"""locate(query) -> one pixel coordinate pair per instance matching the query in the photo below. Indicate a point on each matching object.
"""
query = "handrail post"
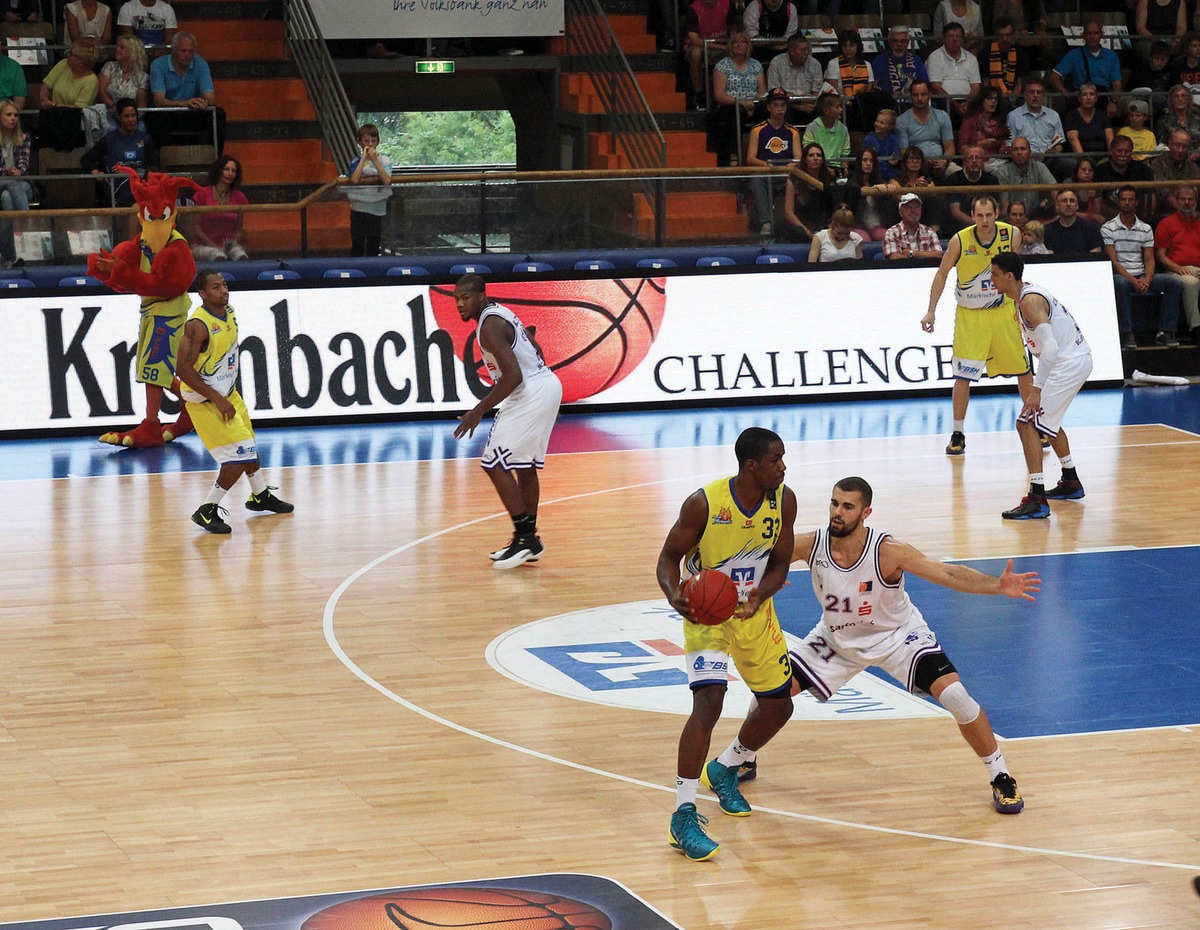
(483, 216)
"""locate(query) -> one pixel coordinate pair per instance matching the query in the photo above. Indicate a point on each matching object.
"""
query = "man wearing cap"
(772, 142)
(896, 67)
(909, 238)
(798, 73)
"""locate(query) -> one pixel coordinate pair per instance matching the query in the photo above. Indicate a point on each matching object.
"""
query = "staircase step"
(191, 10)
(694, 205)
(212, 32)
(226, 49)
(279, 233)
(272, 130)
(268, 99)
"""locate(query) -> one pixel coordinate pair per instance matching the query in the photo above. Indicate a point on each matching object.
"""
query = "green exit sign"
(435, 67)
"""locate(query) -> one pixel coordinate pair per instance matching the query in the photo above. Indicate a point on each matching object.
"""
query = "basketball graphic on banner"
(594, 333)
(462, 909)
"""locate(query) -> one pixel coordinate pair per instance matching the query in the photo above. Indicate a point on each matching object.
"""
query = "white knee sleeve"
(956, 700)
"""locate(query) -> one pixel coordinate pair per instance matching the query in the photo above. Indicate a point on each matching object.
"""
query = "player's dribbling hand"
(1021, 585)
(681, 605)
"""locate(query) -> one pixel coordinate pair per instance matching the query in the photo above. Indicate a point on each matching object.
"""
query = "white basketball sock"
(685, 790)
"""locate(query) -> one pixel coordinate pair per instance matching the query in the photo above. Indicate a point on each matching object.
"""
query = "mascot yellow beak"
(155, 233)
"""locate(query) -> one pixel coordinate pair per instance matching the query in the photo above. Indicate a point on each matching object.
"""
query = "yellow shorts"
(158, 347)
(988, 342)
(228, 441)
(755, 645)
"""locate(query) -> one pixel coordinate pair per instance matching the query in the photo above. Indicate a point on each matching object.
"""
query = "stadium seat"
(531, 267)
(473, 268)
(407, 271)
(714, 261)
(283, 274)
(872, 249)
(773, 259)
(656, 263)
(879, 256)
(343, 273)
(84, 281)
(226, 275)
(16, 282)
(594, 264)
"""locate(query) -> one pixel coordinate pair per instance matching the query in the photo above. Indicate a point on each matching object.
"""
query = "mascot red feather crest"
(158, 266)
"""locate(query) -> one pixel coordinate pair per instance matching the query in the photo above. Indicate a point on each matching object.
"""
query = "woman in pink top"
(219, 235)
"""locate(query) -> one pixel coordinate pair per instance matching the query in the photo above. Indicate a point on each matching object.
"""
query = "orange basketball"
(594, 333)
(713, 596)
(461, 908)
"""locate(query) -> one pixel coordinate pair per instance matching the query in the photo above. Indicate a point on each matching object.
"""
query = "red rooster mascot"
(158, 266)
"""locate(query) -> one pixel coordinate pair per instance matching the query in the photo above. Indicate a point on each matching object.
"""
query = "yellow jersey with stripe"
(973, 287)
(735, 541)
(217, 362)
(158, 306)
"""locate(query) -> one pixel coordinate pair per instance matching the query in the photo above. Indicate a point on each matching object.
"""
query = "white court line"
(336, 648)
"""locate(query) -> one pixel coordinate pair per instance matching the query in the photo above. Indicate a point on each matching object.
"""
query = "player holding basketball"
(986, 337)
(742, 527)
(868, 619)
(208, 370)
(520, 433)
(1064, 363)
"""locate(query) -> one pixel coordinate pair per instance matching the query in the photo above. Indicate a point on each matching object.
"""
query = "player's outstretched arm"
(895, 555)
(802, 546)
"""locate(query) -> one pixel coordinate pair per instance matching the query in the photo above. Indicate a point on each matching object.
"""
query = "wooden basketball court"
(307, 706)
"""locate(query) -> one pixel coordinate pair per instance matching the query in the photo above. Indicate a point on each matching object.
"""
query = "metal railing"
(335, 115)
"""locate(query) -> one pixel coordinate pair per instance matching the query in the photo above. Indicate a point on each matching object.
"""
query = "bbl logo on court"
(631, 656)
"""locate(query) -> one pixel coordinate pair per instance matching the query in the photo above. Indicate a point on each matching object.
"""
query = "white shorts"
(829, 667)
(1065, 381)
(521, 429)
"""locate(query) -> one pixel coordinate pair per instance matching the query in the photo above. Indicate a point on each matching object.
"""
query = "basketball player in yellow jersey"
(208, 369)
(741, 526)
(986, 335)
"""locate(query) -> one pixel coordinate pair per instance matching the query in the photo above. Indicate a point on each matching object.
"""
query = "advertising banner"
(438, 19)
(342, 350)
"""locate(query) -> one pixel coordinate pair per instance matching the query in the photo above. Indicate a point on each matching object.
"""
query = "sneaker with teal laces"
(688, 836)
(723, 780)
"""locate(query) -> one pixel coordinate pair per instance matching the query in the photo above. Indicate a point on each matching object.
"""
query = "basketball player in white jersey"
(520, 434)
(868, 619)
(1064, 363)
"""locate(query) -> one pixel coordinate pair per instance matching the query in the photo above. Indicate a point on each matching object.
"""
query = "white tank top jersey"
(859, 608)
(531, 363)
(1067, 334)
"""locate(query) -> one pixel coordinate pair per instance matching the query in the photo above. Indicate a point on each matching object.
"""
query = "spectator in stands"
(1038, 125)
(15, 191)
(885, 144)
(982, 125)
(87, 19)
(910, 238)
(1089, 197)
(1153, 20)
(370, 187)
(1027, 16)
(21, 11)
(1033, 238)
(797, 72)
(828, 131)
(839, 242)
(1154, 78)
(1181, 114)
(848, 73)
(805, 208)
(954, 71)
(183, 82)
(896, 68)
(770, 19)
(868, 195)
(152, 21)
(972, 175)
(1137, 113)
(1003, 63)
(1087, 128)
(1089, 63)
(1121, 167)
(1187, 65)
(1174, 166)
(13, 86)
(963, 12)
(1129, 243)
(126, 145)
(1017, 216)
(738, 81)
(1067, 234)
(71, 82)
(702, 21)
(923, 126)
(220, 235)
(1023, 169)
(772, 142)
(1177, 251)
(127, 75)
(917, 171)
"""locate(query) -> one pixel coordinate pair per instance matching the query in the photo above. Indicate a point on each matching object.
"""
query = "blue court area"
(1110, 643)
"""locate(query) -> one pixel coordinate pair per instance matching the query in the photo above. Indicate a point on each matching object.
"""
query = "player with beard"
(868, 619)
